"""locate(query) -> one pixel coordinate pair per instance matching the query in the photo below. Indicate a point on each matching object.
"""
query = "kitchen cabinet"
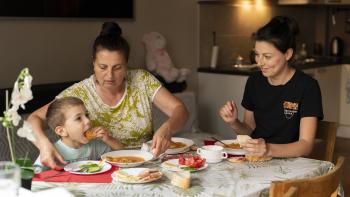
(213, 91)
(333, 83)
(329, 80)
(345, 95)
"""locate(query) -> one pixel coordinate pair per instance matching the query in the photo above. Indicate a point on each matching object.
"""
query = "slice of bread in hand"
(181, 179)
(90, 134)
(242, 139)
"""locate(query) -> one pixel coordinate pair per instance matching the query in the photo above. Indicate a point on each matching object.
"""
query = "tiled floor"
(342, 147)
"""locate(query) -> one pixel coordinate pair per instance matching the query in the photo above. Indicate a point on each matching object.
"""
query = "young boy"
(68, 117)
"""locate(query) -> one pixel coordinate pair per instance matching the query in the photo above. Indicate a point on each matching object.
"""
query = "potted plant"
(21, 94)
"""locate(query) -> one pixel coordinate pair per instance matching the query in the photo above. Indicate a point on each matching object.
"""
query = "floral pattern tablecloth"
(222, 179)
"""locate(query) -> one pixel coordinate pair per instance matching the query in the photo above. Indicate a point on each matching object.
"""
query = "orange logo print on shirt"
(290, 109)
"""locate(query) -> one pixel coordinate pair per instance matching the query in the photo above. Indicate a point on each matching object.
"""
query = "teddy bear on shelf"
(159, 61)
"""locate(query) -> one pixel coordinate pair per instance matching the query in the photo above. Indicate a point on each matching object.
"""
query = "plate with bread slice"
(249, 158)
(136, 175)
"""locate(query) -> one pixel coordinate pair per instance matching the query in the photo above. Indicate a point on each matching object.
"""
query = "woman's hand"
(161, 140)
(256, 147)
(229, 112)
(49, 156)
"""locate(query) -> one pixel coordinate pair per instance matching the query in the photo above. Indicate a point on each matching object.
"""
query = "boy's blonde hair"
(55, 115)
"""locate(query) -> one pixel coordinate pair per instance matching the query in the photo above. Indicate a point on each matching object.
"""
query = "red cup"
(209, 142)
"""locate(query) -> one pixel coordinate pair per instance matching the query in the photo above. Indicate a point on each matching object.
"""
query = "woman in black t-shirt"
(282, 104)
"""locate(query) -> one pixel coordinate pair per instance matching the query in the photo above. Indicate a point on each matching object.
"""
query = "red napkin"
(212, 142)
(63, 176)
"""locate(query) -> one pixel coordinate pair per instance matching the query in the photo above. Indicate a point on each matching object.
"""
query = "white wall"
(58, 50)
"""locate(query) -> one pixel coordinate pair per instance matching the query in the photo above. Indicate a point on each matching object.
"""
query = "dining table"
(218, 179)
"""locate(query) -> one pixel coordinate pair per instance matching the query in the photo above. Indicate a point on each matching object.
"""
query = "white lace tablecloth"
(222, 179)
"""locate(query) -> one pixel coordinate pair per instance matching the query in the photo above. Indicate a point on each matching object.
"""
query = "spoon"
(214, 138)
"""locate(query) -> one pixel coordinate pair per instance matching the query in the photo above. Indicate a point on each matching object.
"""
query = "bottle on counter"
(303, 52)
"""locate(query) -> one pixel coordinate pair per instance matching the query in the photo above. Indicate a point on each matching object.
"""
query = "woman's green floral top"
(130, 120)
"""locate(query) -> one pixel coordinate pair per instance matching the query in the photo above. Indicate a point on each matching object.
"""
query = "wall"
(58, 50)
(234, 26)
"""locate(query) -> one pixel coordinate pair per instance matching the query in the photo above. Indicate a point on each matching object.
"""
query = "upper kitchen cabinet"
(235, 21)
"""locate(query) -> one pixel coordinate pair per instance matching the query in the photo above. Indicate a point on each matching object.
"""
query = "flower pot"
(26, 183)
(27, 172)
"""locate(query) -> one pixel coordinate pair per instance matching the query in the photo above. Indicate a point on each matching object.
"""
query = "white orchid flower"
(26, 131)
(22, 92)
(13, 115)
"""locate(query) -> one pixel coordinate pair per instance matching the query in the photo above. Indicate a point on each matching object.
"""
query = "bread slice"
(242, 139)
(90, 134)
(181, 179)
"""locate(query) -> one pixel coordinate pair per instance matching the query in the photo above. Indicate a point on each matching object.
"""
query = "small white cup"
(212, 153)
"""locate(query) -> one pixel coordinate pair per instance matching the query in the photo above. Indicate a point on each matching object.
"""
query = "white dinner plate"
(173, 165)
(231, 151)
(186, 141)
(132, 172)
(74, 167)
(123, 153)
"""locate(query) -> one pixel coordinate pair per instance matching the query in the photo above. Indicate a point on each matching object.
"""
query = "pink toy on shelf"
(159, 61)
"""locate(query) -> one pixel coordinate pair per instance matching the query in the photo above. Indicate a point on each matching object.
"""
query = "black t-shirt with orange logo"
(278, 109)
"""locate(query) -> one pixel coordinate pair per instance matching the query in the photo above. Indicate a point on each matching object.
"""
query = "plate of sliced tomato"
(186, 163)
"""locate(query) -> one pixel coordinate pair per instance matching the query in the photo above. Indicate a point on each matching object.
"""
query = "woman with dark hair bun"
(282, 104)
(118, 98)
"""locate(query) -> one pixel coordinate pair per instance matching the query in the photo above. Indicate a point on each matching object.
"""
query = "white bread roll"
(181, 179)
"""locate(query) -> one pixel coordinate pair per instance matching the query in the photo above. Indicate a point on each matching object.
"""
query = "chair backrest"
(292, 192)
(321, 186)
(327, 131)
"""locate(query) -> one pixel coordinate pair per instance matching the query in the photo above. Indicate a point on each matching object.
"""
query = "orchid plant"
(21, 94)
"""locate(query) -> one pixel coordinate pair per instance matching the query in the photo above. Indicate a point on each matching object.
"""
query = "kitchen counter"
(315, 62)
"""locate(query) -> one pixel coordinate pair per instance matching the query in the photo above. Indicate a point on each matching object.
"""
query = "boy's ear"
(61, 131)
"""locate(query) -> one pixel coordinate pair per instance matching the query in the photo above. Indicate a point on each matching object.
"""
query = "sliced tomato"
(192, 161)
(181, 161)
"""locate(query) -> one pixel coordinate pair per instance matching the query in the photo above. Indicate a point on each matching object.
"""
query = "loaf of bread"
(181, 179)
(90, 134)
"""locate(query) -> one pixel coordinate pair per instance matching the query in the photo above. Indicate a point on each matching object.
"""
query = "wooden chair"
(321, 186)
(325, 141)
(292, 192)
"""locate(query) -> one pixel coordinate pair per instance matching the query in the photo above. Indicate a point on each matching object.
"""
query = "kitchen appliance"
(214, 52)
(304, 2)
(336, 48)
